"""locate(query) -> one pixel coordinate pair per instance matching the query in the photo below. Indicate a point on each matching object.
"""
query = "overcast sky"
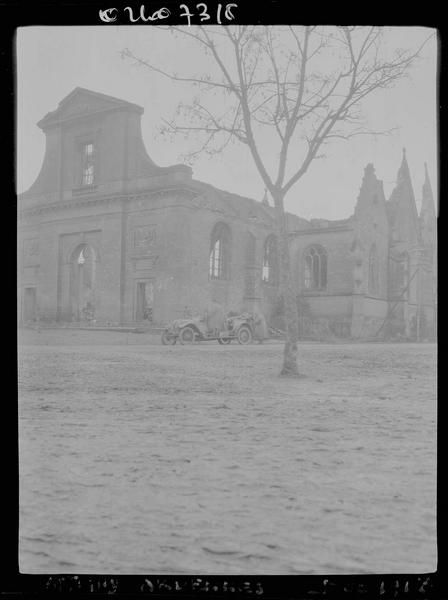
(52, 61)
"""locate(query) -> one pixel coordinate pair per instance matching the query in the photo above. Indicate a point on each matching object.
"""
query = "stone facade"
(107, 236)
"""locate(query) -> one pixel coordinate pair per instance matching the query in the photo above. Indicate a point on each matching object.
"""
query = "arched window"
(270, 261)
(373, 271)
(83, 283)
(86, 262)
(220, 252)
(315, 268)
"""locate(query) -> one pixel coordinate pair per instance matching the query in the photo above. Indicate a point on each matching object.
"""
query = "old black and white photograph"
(227, 297)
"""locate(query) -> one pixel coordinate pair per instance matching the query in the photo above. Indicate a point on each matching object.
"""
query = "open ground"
(142, 458)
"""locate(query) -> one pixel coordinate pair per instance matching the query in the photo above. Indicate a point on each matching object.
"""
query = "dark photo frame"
(200, 584)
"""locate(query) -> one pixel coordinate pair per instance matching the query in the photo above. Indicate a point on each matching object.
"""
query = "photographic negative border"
(424, 585)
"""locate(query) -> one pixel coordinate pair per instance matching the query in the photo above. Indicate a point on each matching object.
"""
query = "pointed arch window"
(270, 261)
(373, 270)
(220, 252)
(315, 268)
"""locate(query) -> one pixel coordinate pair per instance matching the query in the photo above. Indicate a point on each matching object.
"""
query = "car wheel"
(244, 335)
(187, 335)
(168, 339)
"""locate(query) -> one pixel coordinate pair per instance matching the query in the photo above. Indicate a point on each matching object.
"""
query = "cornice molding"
(319, 230)
(105, 199)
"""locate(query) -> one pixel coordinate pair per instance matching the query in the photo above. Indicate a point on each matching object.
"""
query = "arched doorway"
(83, 283)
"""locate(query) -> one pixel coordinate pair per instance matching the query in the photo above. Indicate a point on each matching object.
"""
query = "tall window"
(407, 274)
(315, 268)
(270, 261)
(373, 271)
(83, 283)
(220, 252)
(88, 166)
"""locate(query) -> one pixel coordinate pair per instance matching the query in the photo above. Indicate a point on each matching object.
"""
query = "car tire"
(244, 335)
(168, 339)
(187, 335)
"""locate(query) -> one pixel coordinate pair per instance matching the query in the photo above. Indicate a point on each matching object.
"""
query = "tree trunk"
(290, 367)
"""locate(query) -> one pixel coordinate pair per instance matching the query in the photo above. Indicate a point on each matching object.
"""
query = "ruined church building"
(107, 236)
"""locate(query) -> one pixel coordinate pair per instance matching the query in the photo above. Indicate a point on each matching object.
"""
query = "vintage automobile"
(188, 331)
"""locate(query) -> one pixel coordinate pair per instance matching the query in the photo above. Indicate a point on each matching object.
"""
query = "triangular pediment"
(83, 102)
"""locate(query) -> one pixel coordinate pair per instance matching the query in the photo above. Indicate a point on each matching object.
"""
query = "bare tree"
(292, 88)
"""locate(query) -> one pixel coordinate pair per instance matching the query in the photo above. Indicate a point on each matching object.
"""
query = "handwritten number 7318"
(204, 14)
